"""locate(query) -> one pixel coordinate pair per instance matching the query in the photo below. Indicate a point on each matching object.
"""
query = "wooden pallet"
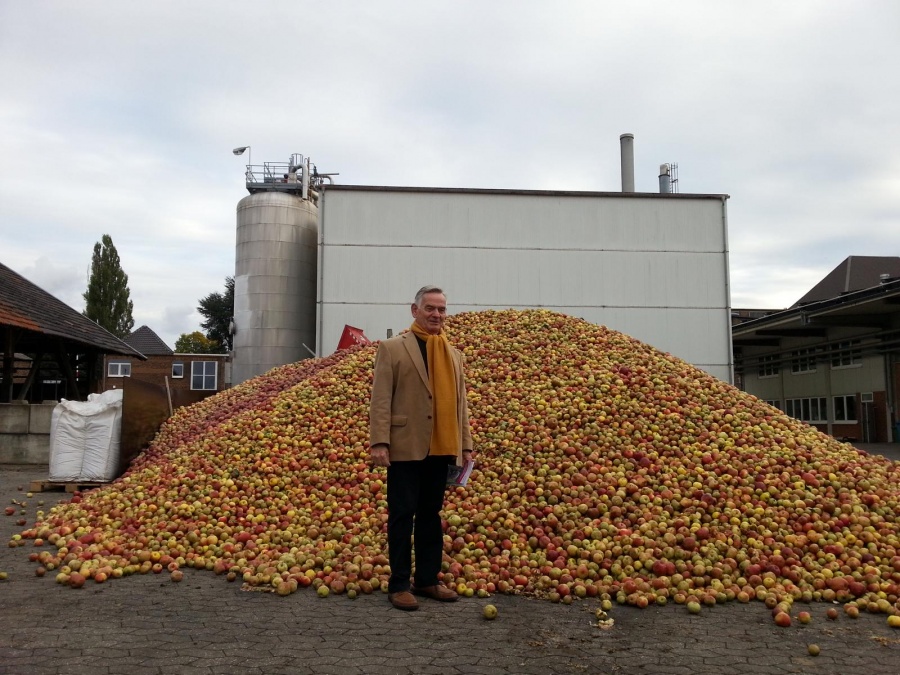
(47, 485)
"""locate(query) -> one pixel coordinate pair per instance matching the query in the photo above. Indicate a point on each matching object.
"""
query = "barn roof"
(44, 320)
(148, 343)
(855, 273)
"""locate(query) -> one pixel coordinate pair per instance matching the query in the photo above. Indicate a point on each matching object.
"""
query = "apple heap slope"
(605, 468)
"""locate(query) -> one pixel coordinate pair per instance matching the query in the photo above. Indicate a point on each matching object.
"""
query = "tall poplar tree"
(107, 300)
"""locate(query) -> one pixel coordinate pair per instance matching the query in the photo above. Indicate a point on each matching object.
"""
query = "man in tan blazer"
(418, 427)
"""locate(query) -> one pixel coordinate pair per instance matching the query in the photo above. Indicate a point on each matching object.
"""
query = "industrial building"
(833, 358)
(314, 257)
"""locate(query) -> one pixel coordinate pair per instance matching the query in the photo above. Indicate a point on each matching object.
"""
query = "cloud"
(125, 126)
(176, 321)
(65, 282)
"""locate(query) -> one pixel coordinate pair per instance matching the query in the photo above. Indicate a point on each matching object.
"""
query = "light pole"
(240, 151)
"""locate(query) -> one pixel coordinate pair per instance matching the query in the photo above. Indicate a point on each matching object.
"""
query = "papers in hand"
(459, 475)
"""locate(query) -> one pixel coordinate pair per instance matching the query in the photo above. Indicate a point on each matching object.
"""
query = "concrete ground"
(205, 625)
(889, 450)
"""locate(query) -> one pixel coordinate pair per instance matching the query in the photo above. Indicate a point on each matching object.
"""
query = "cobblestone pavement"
(205, 625)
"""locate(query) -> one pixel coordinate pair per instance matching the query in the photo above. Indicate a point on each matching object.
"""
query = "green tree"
(218, 309)
(196, 343)
(107, 299)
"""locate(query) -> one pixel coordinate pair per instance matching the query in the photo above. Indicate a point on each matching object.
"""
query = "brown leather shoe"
(437, 592)
(403, 600)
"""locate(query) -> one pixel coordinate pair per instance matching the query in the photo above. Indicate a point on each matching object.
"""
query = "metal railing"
(284, 175)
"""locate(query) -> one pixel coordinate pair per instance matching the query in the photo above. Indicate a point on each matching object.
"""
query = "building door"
(869, 432)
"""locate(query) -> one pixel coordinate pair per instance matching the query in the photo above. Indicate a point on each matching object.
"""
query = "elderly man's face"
(430, 315)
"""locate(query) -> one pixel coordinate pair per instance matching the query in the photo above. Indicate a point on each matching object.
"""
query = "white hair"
(425, 290)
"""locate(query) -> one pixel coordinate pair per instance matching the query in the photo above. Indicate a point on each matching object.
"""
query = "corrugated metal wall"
(654, 267)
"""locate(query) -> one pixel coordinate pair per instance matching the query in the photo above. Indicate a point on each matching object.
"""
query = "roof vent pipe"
(304, 180)
(626, 141)
(665, 179)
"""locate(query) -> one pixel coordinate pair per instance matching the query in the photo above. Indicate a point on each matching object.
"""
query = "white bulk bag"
(85, 438)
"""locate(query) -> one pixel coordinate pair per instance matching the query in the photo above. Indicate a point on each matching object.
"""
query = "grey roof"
(148, 343)
(45, 320)
(343, 187)
(855, 273)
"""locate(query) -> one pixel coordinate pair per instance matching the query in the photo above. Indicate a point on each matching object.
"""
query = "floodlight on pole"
(240, 151)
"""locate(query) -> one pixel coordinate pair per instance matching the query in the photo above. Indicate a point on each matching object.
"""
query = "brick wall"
(156, 369)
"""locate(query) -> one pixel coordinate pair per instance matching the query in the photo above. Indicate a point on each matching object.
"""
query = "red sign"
(352, 336)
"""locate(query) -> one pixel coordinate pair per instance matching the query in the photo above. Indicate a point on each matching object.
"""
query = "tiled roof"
(855, 273)
(148, 343)
(43, 320)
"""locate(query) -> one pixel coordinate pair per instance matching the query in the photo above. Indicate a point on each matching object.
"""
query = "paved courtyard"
(147, 624)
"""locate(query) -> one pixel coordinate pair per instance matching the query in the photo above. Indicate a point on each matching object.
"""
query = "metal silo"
(274, 281)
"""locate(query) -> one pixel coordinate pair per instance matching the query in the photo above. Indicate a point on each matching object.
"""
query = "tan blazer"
(400, 413)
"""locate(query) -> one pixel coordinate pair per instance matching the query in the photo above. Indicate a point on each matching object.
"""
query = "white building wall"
(652, 266)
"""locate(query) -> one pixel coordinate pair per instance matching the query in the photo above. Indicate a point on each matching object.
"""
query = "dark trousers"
(415, 496)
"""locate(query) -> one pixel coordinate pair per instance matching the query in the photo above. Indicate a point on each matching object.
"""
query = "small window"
(813, 410)
(118, 369)
(177, 371)
(848, 355)
(845, 408)
(774, 403)
(203, 375)
(768, 367)
(803, 361)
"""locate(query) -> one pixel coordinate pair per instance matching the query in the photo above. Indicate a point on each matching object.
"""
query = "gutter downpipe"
(730, 356)
(829, 401)
(889, 395)
(320, 261)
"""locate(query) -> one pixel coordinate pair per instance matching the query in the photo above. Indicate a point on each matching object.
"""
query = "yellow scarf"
(441, 378)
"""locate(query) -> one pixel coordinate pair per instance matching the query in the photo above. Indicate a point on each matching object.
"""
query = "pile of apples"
(605, 469)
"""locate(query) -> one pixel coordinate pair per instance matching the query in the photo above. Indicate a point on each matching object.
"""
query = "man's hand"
(468, 454)
(380, 455)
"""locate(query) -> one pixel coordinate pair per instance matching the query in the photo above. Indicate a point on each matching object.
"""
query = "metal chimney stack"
(665, 179)
(626, 141)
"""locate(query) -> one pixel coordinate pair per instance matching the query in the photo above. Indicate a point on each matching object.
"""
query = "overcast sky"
(119, 118)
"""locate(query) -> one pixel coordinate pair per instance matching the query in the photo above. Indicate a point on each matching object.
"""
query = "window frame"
(769, 366)
(802, 409)
(119, 367)
(844, 419)
(848, 355)
(804, 360)
(178, 364)
(205, 376)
